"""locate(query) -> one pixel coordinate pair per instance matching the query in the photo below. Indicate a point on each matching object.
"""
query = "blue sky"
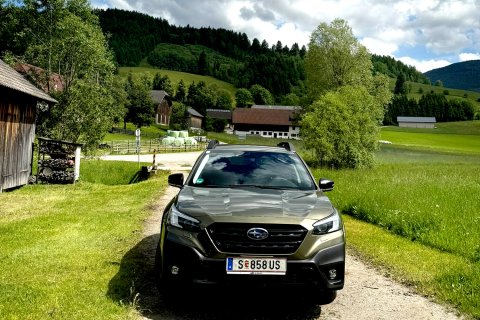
(427, 34)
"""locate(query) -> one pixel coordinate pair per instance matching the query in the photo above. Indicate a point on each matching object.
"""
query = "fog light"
(174, 270)
(332, 273)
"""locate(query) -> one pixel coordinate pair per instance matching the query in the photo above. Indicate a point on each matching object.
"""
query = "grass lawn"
(421, 217)
(463, 139)
(62, 244)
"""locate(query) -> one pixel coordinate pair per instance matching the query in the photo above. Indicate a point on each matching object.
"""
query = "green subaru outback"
(252, 215)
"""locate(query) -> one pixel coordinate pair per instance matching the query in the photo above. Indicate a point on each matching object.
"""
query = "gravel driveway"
(368, 294)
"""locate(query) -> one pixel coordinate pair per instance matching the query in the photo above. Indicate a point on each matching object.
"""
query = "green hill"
(176, 76)
(462, 75)
(416, 90)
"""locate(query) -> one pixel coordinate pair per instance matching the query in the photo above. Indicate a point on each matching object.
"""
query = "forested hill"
(225, 54)
(462, 75)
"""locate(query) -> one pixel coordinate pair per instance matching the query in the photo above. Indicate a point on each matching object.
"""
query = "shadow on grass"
(135, 284)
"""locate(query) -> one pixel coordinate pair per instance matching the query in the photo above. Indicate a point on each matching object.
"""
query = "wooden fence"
(148, 146)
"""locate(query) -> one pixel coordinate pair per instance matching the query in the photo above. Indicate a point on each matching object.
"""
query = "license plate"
(256, 265)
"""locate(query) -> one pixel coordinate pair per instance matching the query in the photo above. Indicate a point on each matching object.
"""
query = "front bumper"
(190, 265)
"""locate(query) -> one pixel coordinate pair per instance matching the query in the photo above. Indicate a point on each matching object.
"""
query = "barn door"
(3, 129)
(16, 137)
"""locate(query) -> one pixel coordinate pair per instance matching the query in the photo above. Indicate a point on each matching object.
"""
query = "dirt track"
(367, 295)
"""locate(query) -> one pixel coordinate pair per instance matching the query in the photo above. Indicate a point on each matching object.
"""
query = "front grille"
(232, 238)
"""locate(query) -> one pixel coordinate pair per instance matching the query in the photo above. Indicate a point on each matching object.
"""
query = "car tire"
(163, 281)
(168, 287)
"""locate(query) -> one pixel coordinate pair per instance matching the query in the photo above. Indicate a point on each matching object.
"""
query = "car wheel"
(162, 278)
(168, 286)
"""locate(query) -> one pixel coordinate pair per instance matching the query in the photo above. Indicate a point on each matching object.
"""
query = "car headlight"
(183, 221)
(329, 224)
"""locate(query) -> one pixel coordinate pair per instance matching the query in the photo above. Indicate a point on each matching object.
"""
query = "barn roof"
(11, 79)
(158, 96)
(417, 119)
(266, 106)
(263, 116)
(219, 114)
(55, 82)
(194, 113)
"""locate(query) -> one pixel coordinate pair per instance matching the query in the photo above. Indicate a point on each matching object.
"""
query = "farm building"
(39, 77)
(417, 122)
(19, 100)
(267, 121)
(163, 106)
(194, 119)
(220, 114)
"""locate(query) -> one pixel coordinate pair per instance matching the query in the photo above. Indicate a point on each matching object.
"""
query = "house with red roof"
(267, 121)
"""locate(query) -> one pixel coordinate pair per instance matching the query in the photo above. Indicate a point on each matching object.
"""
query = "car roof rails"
(212, 144)
(286, 145)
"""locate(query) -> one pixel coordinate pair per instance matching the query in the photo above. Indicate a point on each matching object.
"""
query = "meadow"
(63, 244)
(176, 76)
(416, 213)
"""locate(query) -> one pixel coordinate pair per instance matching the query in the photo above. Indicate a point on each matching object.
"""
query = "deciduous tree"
(342, 123)
(65, 38)
(335, 58)
(261, 95)
(343, 129)
(243, 98)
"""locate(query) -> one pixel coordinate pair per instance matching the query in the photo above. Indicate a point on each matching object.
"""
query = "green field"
(421, 207)
(62, 245)
(462, 137)
(176, 76)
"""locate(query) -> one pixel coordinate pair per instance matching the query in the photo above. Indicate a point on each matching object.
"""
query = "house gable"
(163, 106)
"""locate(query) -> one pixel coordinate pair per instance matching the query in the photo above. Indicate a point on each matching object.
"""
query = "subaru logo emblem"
(257, 233)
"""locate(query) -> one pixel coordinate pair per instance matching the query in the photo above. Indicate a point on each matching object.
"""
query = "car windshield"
(252, 169)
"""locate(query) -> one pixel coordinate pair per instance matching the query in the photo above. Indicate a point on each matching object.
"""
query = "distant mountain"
(462, 75)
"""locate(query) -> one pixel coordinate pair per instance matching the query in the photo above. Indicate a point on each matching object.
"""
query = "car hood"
(253, 202)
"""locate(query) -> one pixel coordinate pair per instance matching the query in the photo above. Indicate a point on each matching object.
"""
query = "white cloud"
(468, 56)
(440, 28)
(379, 47)
(424, 65)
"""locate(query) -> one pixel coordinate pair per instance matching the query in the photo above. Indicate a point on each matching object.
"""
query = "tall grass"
(435, 204)
(427, 203)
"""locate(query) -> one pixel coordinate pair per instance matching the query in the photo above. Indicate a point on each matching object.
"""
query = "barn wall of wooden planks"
(17, 134)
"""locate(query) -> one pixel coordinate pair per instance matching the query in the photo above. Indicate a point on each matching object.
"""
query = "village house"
(19, 100)
(267, 121)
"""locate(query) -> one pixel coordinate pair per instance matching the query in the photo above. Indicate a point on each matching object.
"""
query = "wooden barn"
(194, 119)
(163, 106)
(18, 104)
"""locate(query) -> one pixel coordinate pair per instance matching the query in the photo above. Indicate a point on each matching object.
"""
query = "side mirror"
(176, 180)
(326, 185)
